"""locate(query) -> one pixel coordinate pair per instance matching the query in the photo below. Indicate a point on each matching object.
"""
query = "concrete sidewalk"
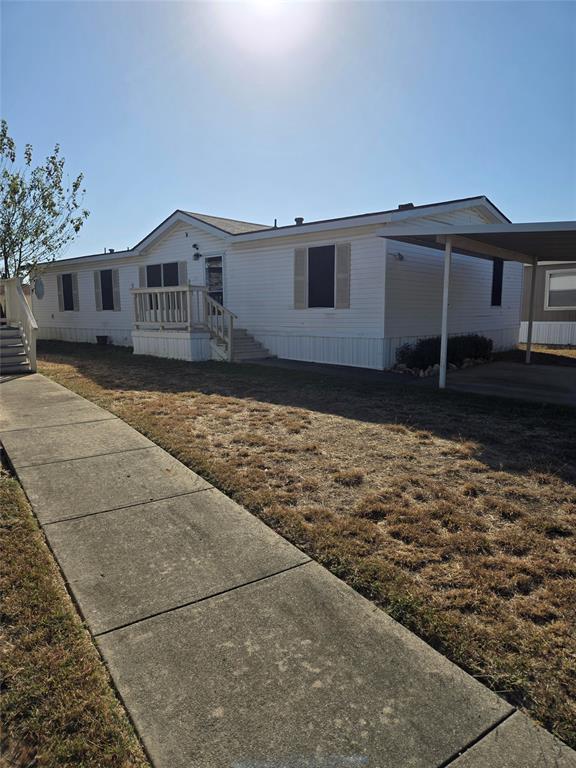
(228, 646)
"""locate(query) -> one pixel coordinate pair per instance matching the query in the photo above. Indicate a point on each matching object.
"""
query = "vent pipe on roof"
(405, 206)
(299, 221)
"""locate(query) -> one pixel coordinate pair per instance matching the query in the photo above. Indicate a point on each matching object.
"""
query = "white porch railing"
(220, 323)
(17, 312)
(184, 308)
(177, 308)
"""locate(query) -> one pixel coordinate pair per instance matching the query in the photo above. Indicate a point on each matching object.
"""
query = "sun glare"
(268, 27)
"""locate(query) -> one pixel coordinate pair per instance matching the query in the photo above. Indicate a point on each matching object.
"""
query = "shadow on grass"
(510, 435)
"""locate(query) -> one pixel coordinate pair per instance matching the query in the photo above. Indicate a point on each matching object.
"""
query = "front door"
(214, 282)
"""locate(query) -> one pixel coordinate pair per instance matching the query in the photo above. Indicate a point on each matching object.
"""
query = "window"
(68, 292)
(497, 275)
(321, 276)
(106, 288)
(162, 275)
(560, 290)
(170, 274)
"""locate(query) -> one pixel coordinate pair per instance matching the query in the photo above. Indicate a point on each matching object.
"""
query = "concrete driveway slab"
(85, 486)
(539, 383)
(131, 563)
(28, 447)
(292, 671)
(517, 743)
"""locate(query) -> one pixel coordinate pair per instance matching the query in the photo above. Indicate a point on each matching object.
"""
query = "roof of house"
(237, 227)
(407, 208)
(231, 226)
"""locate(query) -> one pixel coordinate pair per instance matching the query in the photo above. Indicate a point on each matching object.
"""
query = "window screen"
(67, 293)
(497, 274)
(562, 290)
(321, 276)
(107, 290)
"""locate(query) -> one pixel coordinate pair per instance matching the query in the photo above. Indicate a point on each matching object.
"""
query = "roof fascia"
(97, 258)
(367, 220)
(478, 229)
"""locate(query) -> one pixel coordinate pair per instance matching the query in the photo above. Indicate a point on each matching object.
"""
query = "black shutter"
(497, 275)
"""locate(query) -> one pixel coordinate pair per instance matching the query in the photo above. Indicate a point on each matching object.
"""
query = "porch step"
(13, 348)
(13, 358)
(8, 332)
(246, 347)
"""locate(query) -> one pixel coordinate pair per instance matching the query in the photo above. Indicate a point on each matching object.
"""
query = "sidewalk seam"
(477, 740)
(91, 456)
(203, 599)
(64, 424)
(127, 506)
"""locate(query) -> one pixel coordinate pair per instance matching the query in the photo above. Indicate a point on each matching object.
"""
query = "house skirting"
(179, 345)
(120, 336)
(338, 350)
(559, 333)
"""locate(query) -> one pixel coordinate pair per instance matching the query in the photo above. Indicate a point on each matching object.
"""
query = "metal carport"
(530, 243)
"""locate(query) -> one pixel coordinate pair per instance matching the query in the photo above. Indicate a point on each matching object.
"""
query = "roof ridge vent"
(405, 206)
(299, 221)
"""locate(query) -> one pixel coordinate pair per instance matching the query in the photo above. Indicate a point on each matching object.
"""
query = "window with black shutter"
(107, 289)
(67, 293)
(321, 276)
(497, 275)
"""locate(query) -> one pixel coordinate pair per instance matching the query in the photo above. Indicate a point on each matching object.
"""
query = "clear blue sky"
(269, 109)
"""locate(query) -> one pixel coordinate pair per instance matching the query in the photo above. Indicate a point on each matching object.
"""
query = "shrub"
(426, 352)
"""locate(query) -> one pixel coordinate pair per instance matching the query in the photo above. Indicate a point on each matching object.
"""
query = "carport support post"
(444, 337)
(531, 310)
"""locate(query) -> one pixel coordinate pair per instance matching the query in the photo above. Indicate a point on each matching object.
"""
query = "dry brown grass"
(57, 708)
(457, 514)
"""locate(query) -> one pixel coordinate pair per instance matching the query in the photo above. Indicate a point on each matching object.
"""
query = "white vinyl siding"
(86, 324)
(414, 296)
(378, 298)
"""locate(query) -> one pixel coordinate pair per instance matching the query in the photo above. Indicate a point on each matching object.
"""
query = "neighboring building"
(331, 291)
(554, 306)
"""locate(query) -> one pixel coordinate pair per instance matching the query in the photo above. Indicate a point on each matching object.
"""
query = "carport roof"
(543, 241)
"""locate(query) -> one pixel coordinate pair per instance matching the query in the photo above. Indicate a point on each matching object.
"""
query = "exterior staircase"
(13, 357)
(246, 347)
